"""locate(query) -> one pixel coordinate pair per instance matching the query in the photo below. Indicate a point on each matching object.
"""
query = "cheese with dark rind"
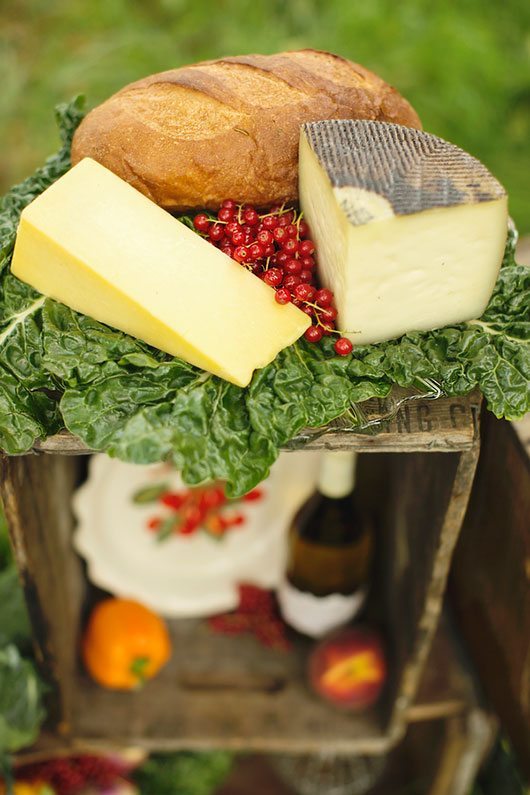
(410, 230)
(102, 248)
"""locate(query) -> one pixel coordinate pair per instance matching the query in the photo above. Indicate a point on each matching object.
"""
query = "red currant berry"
(241, 254)
(231, 227)
(264, 237)
(292, 266)
(303, 229)
(313, 334)
(282, 257)
(291, 230)
(305, 292)
(273, 277)
(268, 251)
(291, 281)
(201, 222)
(282, 296)
(229, 204)
(270, 222)
(328, 314)
(286, 219)
(307, 248)
(307, 262)
(225, 214)
(343, 346)
(306, 276)
(227, 249)
(290, 247)
(280, 235)
(255, 251)
(216, 232)
(238, 237)
(251, 217)
(324, 297)
(308, 310)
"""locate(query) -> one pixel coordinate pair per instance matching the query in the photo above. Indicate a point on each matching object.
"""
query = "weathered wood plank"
(36, 492)
(491, 580)
(445, 425)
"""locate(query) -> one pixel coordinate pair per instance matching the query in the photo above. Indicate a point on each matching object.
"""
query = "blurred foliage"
(465, 64)
(183, 773)
(500, 774)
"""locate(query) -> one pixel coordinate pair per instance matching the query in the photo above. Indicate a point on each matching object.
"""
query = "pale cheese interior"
(393, 274)
(99, 246)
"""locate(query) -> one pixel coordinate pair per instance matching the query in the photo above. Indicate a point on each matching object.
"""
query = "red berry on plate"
(305, 292)
(343, 346)
(227, 249)
(252, 496)
(306, 276)
(282, 296)
(307, 262)
(241, 254)
(307, 248)
(291, 230)
(282, 257)
(273, 277)
(313, 334)
(239, 237)
(292, 266)
(201, 222)
(324, 297)
(229, 204)
(269, 250)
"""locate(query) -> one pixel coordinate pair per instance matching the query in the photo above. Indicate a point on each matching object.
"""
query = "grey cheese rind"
(410, 229)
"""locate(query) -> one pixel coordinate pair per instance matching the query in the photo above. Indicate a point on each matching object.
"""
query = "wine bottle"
(330, 552)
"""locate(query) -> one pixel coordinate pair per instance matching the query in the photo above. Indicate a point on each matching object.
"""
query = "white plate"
(184, 576)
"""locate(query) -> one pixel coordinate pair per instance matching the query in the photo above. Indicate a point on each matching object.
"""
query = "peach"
(349, 668)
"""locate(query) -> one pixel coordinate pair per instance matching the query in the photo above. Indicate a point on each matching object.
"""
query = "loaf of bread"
(191, 137)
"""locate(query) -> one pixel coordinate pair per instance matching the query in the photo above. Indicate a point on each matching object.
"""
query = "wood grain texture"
(428, 498)
(491, 580)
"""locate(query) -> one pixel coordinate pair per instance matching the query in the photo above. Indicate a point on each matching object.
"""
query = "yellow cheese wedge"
(99, 246)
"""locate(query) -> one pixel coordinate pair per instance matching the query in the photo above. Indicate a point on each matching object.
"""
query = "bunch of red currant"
(276, 247)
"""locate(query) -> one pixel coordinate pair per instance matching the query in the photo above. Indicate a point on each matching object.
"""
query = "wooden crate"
(232, 693)
(491, 577)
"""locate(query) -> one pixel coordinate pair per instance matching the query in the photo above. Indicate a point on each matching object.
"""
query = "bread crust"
(229, 128)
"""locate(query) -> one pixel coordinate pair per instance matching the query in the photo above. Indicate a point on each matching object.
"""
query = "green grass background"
(464, 65)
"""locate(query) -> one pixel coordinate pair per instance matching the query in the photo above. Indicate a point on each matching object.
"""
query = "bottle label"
(317, 615)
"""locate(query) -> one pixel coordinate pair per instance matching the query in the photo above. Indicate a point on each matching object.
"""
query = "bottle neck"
(337, 473)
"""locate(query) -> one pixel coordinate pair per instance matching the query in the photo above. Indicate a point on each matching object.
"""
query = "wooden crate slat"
(445, 425)
(36, 497)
